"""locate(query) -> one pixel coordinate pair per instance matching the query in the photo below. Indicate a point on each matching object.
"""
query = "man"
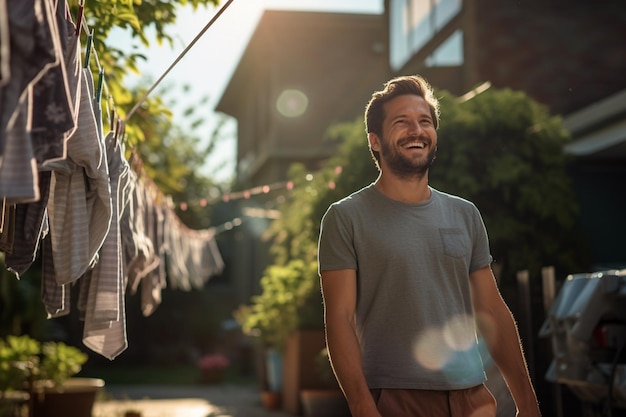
(406, 276)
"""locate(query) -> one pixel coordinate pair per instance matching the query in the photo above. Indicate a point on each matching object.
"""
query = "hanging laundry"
(34, 49)
(105, 326)
(49, 134)
(57, 95)
(192, 256)
(55, 297)
(79, 205)
(155, 281)
(5, 45)
(144, 258)
(31, 226)
(7, 229)
(69, 195)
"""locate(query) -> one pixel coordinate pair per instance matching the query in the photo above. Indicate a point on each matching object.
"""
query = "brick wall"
(564, 54)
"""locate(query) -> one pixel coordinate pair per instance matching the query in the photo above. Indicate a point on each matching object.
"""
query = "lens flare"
(439, 347)
(459, 332)
(292, 103)
(431, 350)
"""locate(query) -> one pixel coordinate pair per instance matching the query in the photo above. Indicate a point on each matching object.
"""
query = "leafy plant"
(18, 357)
(283, 305)
(25, 360)
(59, 362)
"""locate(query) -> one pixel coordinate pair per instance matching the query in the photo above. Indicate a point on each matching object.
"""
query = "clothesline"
(90, 49)
(177, 60)
(117, 124)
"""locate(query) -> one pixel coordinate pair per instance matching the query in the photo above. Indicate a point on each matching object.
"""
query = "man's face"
(409, 141)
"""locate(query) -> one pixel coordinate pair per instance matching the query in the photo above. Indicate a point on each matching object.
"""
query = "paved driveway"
(223, 400)
(183, 401)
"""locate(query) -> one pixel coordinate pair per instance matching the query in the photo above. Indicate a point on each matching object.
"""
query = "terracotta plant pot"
(272, 400)
(75, 398)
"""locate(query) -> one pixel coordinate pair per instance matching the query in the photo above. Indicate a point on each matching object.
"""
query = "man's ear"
(374, 141)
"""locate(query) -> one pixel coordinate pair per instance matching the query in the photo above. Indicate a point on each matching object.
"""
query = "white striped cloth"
(79, 206)
(105, 325)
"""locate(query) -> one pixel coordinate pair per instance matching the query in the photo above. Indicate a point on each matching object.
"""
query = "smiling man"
(406, 276)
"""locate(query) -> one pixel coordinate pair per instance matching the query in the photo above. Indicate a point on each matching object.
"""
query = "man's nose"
(415, 128)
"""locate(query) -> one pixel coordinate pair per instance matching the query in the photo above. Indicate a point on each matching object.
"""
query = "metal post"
(549, 293)
(525, 320)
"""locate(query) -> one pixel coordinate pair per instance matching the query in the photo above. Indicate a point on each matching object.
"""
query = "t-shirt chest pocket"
(455, 242)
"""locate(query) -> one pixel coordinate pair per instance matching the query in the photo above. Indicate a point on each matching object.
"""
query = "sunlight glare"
(459, 332)
(431, 350)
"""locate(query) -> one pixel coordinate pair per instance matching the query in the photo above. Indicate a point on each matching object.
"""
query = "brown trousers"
(471, 402)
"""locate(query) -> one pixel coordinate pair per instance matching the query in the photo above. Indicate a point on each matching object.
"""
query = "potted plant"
(212, 366)
(45, 371)
(277, 313)
(16, 354)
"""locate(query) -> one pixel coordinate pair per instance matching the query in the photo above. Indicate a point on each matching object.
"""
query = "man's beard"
(404, 167)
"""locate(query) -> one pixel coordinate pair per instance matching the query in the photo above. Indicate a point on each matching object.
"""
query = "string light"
(257, 190)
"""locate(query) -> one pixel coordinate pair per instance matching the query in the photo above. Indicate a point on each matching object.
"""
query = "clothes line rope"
(177, 60)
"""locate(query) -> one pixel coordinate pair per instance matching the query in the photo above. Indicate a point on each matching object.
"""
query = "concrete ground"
(221, 400)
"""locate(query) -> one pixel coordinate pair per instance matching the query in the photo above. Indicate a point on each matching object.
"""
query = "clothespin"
(98, 95)
(88, 49)
(112, 120)
(79, 18)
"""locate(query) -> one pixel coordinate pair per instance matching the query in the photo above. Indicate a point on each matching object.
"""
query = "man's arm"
(339, 291)
(499, 330)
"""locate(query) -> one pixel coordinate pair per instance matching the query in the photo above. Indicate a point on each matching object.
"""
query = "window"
(449, 53)
(414, 22)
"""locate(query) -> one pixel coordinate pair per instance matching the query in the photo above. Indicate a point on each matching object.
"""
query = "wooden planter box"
(300, 368)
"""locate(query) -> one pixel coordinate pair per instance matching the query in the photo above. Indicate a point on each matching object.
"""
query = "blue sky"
(208, 66)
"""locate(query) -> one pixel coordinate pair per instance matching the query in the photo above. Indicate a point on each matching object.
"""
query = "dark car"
(587, 327)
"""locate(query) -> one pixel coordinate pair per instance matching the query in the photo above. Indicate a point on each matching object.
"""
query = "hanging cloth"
(34, 49)
(145, 259)
(55, 297)
(79, 205)
(105, 325)
(154, 282)
(55, 103)
(5, 44)
(30, 217)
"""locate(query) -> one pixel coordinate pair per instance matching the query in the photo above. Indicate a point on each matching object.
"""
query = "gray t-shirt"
(414, 317)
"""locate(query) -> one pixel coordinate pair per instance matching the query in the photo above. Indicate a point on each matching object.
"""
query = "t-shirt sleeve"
(336, 244)
(481, 255)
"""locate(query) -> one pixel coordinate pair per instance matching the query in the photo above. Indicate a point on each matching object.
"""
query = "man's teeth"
(416, 145)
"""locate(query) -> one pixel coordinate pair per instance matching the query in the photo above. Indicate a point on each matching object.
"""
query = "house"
(300, 73)
(304, 71)
(567, 55)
